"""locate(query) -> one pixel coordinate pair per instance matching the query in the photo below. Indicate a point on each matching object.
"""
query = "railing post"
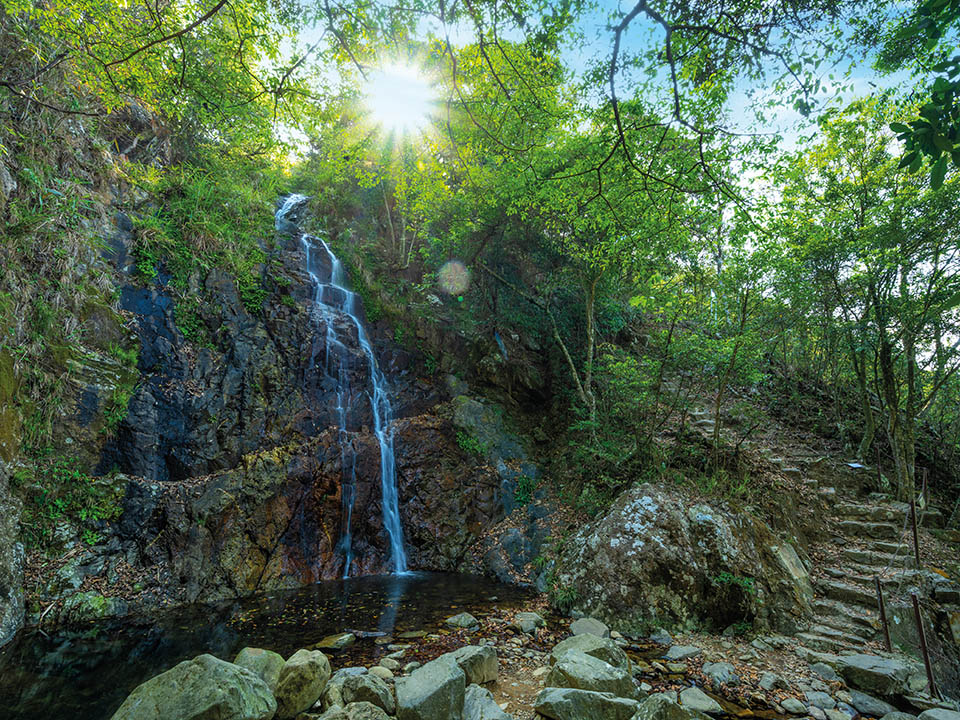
(916, 537)
(923, 646)
(883, 614)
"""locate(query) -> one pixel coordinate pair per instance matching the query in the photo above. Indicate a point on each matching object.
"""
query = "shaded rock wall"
(11, 562)
(275, 520)
(661, 558)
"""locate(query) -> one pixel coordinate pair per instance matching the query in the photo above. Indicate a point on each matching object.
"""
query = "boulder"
(478, 662)
(591, 626)
(721, 673)
(939, 714)
(198, 689)
(265, 664)
(365, 711)
(897, 715)
(825, 671)
(353, 711)
(771, 681)
(696, 700)
(794, 706)
(820, 699)
(874, 674)
(478, 704)
(462, 620)
(368, 688)
(578, 670)
(302, 680)
(662, 706)
(528, 622)
(333, 693)
(573, 704)
(661, 637)
(598, 647)
(682, 652)
(384, 673)
(434, 691)
(340, 641)
(660, 556)
(869, 705)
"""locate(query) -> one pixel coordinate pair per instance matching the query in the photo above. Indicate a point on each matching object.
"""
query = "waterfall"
(332, 299)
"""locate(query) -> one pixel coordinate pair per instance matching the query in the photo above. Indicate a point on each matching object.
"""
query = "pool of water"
(85, 673)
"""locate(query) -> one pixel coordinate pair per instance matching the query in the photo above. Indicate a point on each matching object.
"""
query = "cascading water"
(332, 298)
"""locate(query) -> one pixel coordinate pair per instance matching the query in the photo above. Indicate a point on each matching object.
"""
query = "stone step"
(844, 625)
(851, 614)
(870, 559)
(877, 530)
(824, 643)
(865, 574)
(837, 634)
(873, 513)
(844, 592)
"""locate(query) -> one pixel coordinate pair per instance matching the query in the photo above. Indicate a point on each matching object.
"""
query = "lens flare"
(454, 278)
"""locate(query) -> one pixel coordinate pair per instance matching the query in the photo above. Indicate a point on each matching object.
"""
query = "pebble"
(410, 667)
(390, 664)
(816, 713)
(541, 671)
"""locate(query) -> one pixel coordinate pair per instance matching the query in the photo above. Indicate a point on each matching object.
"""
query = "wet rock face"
(197, 409)
(276, 520)
(658, 558)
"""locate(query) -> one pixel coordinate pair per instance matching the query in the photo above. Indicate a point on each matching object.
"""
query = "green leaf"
(899, 127)
(938, 173)
(908, 159)
(942, 143)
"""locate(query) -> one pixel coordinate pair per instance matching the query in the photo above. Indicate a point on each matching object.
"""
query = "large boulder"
(575, 669)
(659, 557)
(573, 704)
(265, 664)
(478, 662)
(200, 689)
(598, 647)
(479, 704)
(876, 675)
(434, 691)
(302, 680)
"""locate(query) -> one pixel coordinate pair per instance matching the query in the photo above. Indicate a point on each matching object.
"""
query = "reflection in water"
(86, 674)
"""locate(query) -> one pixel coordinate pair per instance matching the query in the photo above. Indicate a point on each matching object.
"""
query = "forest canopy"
(769, 188)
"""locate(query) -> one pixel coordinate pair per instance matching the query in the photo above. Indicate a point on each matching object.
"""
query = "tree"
(884, 248)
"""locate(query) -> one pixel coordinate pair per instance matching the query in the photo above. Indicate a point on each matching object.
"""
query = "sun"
(399, 99)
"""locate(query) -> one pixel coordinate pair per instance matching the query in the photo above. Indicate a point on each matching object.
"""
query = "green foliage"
(560, 595)
(744, 582)
(471, 445)
(56, 490)
(526, 486)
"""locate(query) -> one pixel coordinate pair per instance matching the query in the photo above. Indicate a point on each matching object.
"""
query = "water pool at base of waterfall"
(86, 672)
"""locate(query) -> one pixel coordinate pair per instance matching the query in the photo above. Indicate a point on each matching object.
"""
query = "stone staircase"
(870, 540)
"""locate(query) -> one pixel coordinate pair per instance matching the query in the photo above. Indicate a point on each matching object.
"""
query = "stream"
(85, 673)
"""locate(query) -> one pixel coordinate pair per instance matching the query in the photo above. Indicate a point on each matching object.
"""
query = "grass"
(56, 490)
